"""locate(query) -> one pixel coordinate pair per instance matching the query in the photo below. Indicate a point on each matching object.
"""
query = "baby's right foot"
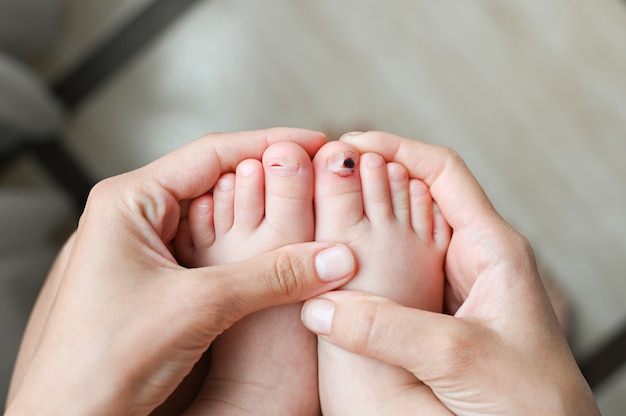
(400, 240)
(267, 362)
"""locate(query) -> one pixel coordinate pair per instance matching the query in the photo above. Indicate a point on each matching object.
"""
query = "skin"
(400, 241)
(267, 362)
(120, 323)
(500, 349)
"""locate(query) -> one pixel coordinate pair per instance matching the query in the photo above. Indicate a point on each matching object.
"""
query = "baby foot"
(400, 240)
(267, 362)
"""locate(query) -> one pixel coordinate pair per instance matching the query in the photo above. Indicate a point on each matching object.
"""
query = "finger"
(461, 360)
(193, 169)
(154, 192)
(451, 183)
(375, 327)
(284, 276)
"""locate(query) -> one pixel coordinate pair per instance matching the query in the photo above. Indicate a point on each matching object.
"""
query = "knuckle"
(455, 351)
(523, 243)
(514, 248)
(113, 193)
(363, 334)
(454, 346)
(452, 156)
(463, 348)
(102, 189)
(107, 190)
(101, 194)
(286, 275)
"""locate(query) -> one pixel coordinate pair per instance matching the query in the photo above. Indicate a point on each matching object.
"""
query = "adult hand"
(121, 323)
(501, 349)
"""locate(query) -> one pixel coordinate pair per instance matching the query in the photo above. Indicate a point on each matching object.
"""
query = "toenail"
(375, 161)
(398, 175)
(246, 169)
(418, 188)
(203, 208)
(283, 166)
(342, 163)
(225, 184)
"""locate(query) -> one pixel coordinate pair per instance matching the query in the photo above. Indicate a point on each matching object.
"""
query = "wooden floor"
(532, 94)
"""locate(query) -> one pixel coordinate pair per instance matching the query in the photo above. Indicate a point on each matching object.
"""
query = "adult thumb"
(287, 275)
(375, 327)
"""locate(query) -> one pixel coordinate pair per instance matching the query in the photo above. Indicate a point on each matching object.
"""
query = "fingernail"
(317, 315)
(334, 263)
(342, 163)
(283, 166)
(352, 133)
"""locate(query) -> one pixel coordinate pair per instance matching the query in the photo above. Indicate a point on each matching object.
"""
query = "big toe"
(338, 195)
(289, 191)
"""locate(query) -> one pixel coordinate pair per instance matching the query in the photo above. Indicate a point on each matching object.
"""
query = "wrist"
(65, 400)
(68, 389)
(578, 399)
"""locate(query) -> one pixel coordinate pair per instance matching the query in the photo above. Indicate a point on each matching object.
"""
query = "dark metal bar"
(64, 169)
(90, 74)
(120, 48)
(605, 360)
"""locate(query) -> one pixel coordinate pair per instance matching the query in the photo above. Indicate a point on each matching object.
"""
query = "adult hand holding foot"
(500, 350)
(119, 323)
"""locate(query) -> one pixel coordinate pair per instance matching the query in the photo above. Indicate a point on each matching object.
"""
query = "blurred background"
(532, 94)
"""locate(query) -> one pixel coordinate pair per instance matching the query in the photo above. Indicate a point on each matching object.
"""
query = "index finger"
(193, 169)
(459, 196)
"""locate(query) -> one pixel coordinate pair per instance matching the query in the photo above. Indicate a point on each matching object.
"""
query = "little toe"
(375, 187)
(289, 192)
(195, 232)
(337, 199)
(399, 188)
(421, 210)
(183, 244)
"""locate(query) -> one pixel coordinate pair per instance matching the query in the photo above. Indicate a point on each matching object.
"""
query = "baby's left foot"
(400, 239)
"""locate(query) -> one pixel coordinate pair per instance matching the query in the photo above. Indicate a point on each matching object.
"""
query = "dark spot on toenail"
(342, 163)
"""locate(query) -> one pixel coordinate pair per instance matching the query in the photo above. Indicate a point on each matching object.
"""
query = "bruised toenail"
(342, 163)
(283, 166)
